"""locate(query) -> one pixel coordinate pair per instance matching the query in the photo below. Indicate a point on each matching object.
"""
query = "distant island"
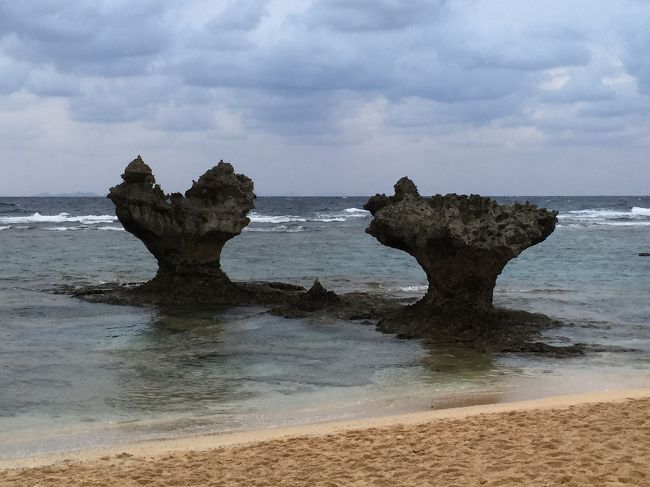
(78, 194)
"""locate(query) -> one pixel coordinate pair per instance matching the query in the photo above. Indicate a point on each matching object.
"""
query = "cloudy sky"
(328, 96)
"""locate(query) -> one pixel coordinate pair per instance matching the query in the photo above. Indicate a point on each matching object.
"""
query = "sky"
(328, 97)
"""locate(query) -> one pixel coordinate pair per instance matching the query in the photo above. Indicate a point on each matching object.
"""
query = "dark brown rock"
(317, 298)
(186, 233)
(461, 242)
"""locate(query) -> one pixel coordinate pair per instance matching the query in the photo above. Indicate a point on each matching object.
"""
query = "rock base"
(499, 330)
(172, 290)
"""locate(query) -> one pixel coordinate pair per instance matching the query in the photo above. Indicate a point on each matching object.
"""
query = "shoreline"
(153, 449)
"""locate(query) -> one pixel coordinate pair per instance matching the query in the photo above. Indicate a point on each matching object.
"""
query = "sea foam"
(636, 216)
(278, 228)
(318, 217)
(61, 229)
(640, 211)
(356, 212)
(412, 289)
(60, 218)
(257, 218)
(110, 229)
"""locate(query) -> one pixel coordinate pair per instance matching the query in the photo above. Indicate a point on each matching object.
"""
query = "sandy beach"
(587, 439)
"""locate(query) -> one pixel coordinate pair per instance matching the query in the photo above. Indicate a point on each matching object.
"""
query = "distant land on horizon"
(78, 194)
(89, 194)
(84, 194)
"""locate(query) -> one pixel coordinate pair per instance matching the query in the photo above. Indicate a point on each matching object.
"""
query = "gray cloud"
(46, 81)
(108, 38)
(356, 16)
(330, 73)
(14, 75)
(636, 57)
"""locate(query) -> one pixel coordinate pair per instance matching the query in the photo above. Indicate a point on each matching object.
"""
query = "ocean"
(76, 375)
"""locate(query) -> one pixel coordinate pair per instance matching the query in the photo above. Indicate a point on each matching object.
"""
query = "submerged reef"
(462, 243)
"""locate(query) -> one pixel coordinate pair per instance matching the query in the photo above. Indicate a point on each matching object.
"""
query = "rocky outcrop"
(186, 233)
(317, 298)
(461, 242)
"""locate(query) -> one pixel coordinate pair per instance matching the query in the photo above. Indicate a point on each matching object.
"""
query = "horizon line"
(95, 195)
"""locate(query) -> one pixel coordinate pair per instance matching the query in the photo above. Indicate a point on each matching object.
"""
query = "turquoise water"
(76, 374)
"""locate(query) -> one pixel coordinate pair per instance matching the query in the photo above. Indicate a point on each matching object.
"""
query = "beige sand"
(567, 440)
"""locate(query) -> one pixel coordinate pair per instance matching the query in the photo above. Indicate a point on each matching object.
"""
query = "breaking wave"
(322, 217)
(606, 223)
(257, 218)
(103, 228)
(278, 228)
(533, 291)
(636, 216)
(111, 229)
(60, 218)
(413, 289)
(318, 217)
(63, 228)
(356, 212)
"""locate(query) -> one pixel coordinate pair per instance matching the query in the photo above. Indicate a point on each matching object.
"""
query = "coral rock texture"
(185, 233)
(461, 242)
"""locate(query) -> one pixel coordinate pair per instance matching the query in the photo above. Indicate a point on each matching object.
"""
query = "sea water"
(75, 375)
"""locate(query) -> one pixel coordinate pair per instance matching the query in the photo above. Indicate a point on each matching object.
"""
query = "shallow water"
(76, 374)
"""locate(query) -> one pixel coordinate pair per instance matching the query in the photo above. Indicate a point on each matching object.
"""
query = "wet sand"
(588, 439)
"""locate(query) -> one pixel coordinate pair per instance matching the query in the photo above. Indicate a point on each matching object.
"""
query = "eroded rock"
(317, 298)
(186, 233)
(461, 242)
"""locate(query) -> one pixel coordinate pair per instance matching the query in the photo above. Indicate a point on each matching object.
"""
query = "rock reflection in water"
(175, 363)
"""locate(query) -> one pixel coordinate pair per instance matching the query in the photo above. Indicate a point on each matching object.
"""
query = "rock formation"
(316, 298)
(461, 242)
(186, 233)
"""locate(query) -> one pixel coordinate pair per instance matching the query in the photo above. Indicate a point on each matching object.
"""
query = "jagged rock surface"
(317, 298)
(185, 233)
(461, 242)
